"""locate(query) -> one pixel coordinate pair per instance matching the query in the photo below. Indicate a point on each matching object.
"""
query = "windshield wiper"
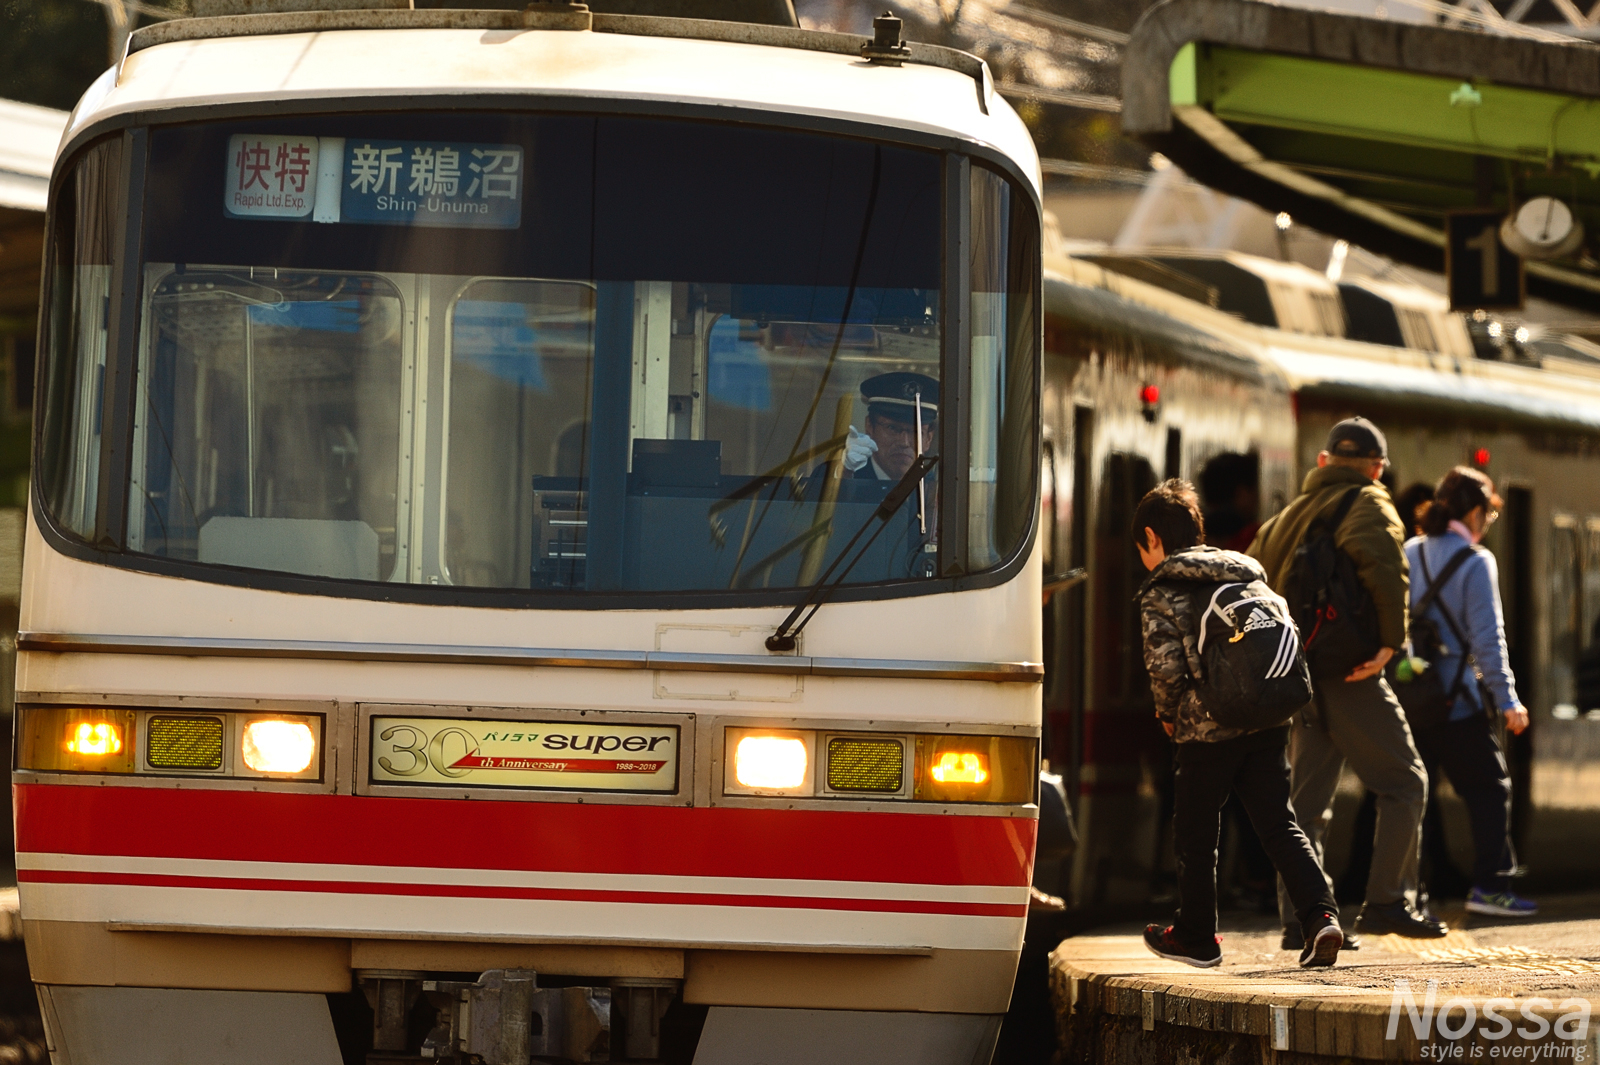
(784, 639)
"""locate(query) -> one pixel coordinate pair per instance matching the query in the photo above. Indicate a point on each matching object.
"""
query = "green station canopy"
(1373, 130)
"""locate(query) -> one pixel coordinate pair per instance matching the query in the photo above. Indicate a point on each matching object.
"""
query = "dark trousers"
(1469, 754)
(1254, 767)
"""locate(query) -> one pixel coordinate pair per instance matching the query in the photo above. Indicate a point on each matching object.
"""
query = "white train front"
(441, 414)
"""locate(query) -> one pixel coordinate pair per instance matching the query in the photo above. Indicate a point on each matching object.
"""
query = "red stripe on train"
(486, 833)
(470, 891)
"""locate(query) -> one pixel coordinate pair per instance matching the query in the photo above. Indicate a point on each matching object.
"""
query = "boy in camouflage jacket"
(1213, 760)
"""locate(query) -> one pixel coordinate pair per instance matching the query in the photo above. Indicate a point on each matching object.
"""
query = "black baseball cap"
(1357, 438)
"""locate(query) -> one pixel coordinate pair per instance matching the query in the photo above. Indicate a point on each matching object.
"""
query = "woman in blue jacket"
(1466, 746)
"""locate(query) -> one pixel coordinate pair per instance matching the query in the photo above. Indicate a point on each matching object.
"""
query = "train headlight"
(272, 745)
(776, 762)
(1000, 769)
(76, 739)
(768, 762)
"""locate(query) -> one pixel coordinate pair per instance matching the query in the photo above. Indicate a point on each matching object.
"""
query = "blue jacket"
(1472, 595)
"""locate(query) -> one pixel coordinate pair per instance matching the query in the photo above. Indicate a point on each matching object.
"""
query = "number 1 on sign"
(1487, 245)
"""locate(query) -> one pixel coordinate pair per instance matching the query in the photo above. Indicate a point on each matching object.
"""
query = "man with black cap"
(1357, 719)
(897, 403)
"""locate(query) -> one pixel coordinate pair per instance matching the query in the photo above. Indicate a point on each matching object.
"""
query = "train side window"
(1566, 582)
(1591, 580)
(1004, 392)
(1048, 513)
(78, 279)
(1372, 318)
(1230, 497)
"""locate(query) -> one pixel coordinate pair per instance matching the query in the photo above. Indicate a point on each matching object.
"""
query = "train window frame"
(148, 432)
(962, 156)
(1564, 614)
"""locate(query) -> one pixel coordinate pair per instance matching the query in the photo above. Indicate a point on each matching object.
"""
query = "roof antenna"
(886, 46)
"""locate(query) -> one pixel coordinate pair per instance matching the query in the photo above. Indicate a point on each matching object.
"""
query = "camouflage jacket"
(1170, 602)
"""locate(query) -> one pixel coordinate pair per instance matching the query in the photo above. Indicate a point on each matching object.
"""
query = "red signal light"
(1480, 457)
(1150, 395)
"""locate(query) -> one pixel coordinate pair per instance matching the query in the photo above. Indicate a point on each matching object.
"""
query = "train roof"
(1559, 394)
(398, 58)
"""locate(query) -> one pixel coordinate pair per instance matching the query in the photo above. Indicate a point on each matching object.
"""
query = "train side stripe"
(42, 876)
(251, 911)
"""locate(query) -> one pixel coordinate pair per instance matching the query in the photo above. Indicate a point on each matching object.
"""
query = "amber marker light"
(274, 746)
(95, 737)
(960, 767)
(76, 739)
(998, 769)
(775, 762)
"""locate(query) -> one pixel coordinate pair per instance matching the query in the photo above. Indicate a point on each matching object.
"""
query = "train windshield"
(559, 353)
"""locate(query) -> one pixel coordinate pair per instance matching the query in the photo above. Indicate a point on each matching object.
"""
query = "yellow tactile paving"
(1525, 959)
(1455, 939)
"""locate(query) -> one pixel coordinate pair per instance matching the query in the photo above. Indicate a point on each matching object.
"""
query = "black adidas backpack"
(1255, 670)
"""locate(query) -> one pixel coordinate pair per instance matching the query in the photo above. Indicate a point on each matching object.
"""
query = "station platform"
(1117, 1004)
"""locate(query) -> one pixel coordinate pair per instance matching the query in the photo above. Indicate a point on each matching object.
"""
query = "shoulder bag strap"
(1436, 586)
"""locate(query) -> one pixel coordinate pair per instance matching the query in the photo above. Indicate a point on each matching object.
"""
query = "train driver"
(889, 446)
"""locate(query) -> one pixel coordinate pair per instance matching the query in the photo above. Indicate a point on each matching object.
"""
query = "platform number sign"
(1483, 273)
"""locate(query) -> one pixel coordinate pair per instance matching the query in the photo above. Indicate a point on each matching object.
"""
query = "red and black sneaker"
(1321, 939)
(1163, 944)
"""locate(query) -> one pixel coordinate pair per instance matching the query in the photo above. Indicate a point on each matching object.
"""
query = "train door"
(1521, 634)
(1119, 729)
(1075, 608)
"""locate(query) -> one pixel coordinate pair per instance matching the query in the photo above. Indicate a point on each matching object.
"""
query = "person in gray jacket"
(1467, 611)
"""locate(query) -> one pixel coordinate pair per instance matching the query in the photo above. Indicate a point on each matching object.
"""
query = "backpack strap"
(1428, 599)
(1331, 524)
(1211, 608)
(1435, 586)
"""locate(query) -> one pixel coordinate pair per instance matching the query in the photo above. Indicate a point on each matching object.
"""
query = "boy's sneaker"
(1295, 939)
(1500, 904)
(1321, 948)
(1163, 944)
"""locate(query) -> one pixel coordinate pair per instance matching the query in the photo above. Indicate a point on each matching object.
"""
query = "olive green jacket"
(1371, 534)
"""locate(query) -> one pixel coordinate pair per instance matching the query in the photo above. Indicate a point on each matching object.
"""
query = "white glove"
(858, 448)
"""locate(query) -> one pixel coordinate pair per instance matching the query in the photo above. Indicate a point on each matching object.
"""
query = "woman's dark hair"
(1409, 504)
(1172, 509)
(1460, 492)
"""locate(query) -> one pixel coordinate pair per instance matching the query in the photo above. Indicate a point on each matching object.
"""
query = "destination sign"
(374, 182)
(524, 754)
